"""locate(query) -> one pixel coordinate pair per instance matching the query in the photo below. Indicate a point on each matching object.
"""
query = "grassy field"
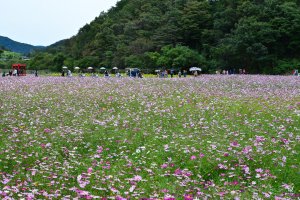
(217, 137)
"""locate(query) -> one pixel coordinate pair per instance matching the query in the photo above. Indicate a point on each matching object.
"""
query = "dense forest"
(261, 36)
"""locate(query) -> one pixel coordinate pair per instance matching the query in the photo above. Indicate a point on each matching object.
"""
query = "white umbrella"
(195, 69)
(90, 68)
(65, 67)
(102, 68)
(76, 68)
(115, 68)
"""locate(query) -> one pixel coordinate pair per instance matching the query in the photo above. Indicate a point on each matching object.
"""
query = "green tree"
(134, 61)
(88, 61)
(178, 57)
(196, 18)
(248, 44)
(58, 61)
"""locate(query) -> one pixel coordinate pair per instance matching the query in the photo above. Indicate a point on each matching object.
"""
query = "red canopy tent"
(21, 68)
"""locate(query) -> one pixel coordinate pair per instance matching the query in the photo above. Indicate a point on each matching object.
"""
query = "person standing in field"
(15, 72)
(179, 74)
(195, 73)
(172, 73)
(184, 73)
(69, 73)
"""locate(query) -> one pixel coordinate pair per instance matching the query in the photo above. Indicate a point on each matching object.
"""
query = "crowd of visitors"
(165, 73)
(14, 72)
(136, 73)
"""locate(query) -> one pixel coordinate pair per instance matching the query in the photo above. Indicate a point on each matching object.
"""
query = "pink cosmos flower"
(188, 197)
(193, 157)
(259, 170)
(222, 194)
(114, 190)
(33, 171)
(137, 178)
(16, 130)
(131, 189)
(287, 186)
(235, 182)
(221, 166)
(47, 130)
(285, 141)
(5, 180)
(201, 155)
(120, 198)
(169, 198)
(171, 164)
(164, 190)
(100, 149)
(284, 159)
(30, 196)
(246, 169)
(247, 150)
(234, 144)
(266, 194)
(178, 172)
(90, 170)
(163, 166)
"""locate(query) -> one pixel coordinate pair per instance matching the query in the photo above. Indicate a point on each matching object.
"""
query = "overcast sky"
(44, 22)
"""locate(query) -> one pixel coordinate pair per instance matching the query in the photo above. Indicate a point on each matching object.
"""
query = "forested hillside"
(262, 36)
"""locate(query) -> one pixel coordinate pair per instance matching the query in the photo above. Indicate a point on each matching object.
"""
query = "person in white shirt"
(15, 72)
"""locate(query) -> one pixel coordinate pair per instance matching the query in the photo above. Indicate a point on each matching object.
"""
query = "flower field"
(211, 137)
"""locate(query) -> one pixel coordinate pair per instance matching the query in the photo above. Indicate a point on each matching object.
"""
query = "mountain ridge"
(18, 47)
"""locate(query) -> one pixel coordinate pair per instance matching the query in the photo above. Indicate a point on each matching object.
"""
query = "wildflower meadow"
(210, 137)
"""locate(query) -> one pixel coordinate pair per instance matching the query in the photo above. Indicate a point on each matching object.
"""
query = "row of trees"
(260, 36)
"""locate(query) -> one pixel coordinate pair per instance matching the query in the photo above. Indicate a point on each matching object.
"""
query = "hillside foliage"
(261, 36)
(7, 58)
